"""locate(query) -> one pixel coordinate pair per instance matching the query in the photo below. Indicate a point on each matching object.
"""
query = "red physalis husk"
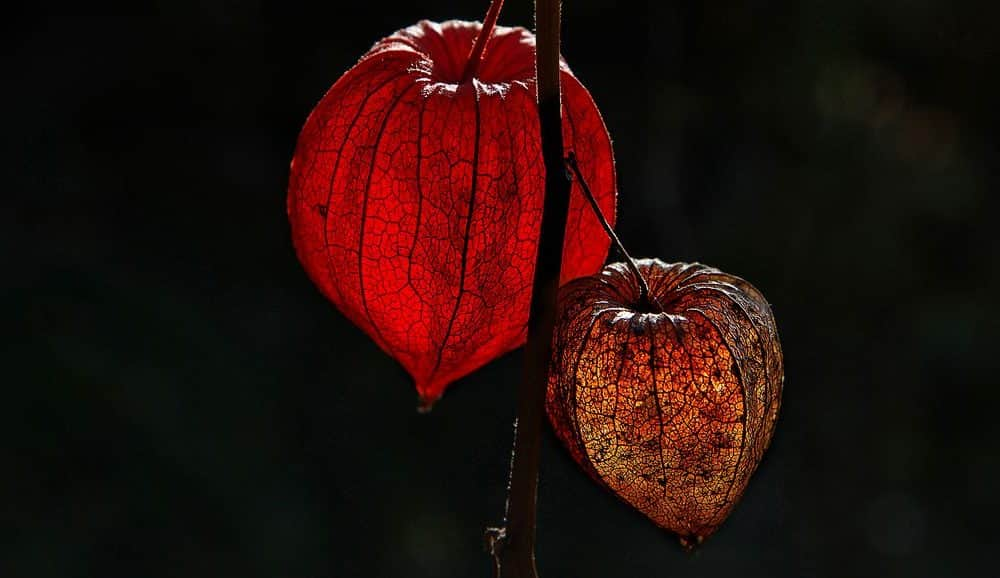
(415, 196)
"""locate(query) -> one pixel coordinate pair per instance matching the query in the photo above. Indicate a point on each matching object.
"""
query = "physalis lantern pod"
(668, 403)
(416, 191)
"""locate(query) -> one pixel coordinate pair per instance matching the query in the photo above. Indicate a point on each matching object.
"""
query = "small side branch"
(479, 48)
(645, 296)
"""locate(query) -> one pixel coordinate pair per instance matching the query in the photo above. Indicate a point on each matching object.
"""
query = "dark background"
(180, 401)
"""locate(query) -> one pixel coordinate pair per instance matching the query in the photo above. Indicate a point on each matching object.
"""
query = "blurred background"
(180, 401)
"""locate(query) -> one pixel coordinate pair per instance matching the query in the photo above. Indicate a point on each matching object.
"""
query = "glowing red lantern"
(416, 190)
(670, 403)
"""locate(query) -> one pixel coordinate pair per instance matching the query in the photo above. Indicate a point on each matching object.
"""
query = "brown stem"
(516, 556)
(645, 297)
(476, 54)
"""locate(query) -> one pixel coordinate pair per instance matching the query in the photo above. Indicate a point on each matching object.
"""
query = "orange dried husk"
(670, 404)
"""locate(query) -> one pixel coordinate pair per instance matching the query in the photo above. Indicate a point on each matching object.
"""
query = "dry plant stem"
(516, 556)
(479, 48)
(645, 297)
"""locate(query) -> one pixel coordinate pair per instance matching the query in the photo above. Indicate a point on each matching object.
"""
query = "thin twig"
(476, 55)
(645, 297)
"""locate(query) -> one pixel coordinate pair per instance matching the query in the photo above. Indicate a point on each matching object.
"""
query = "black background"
(180, 401)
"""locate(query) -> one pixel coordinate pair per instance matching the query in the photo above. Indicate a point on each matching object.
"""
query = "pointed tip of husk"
(425, 404)
(691, 543)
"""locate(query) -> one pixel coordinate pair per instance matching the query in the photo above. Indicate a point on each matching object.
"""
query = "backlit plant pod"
(669, 403)
(416, 192)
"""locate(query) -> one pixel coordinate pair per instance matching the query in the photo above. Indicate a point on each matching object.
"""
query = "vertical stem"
(516, 558)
